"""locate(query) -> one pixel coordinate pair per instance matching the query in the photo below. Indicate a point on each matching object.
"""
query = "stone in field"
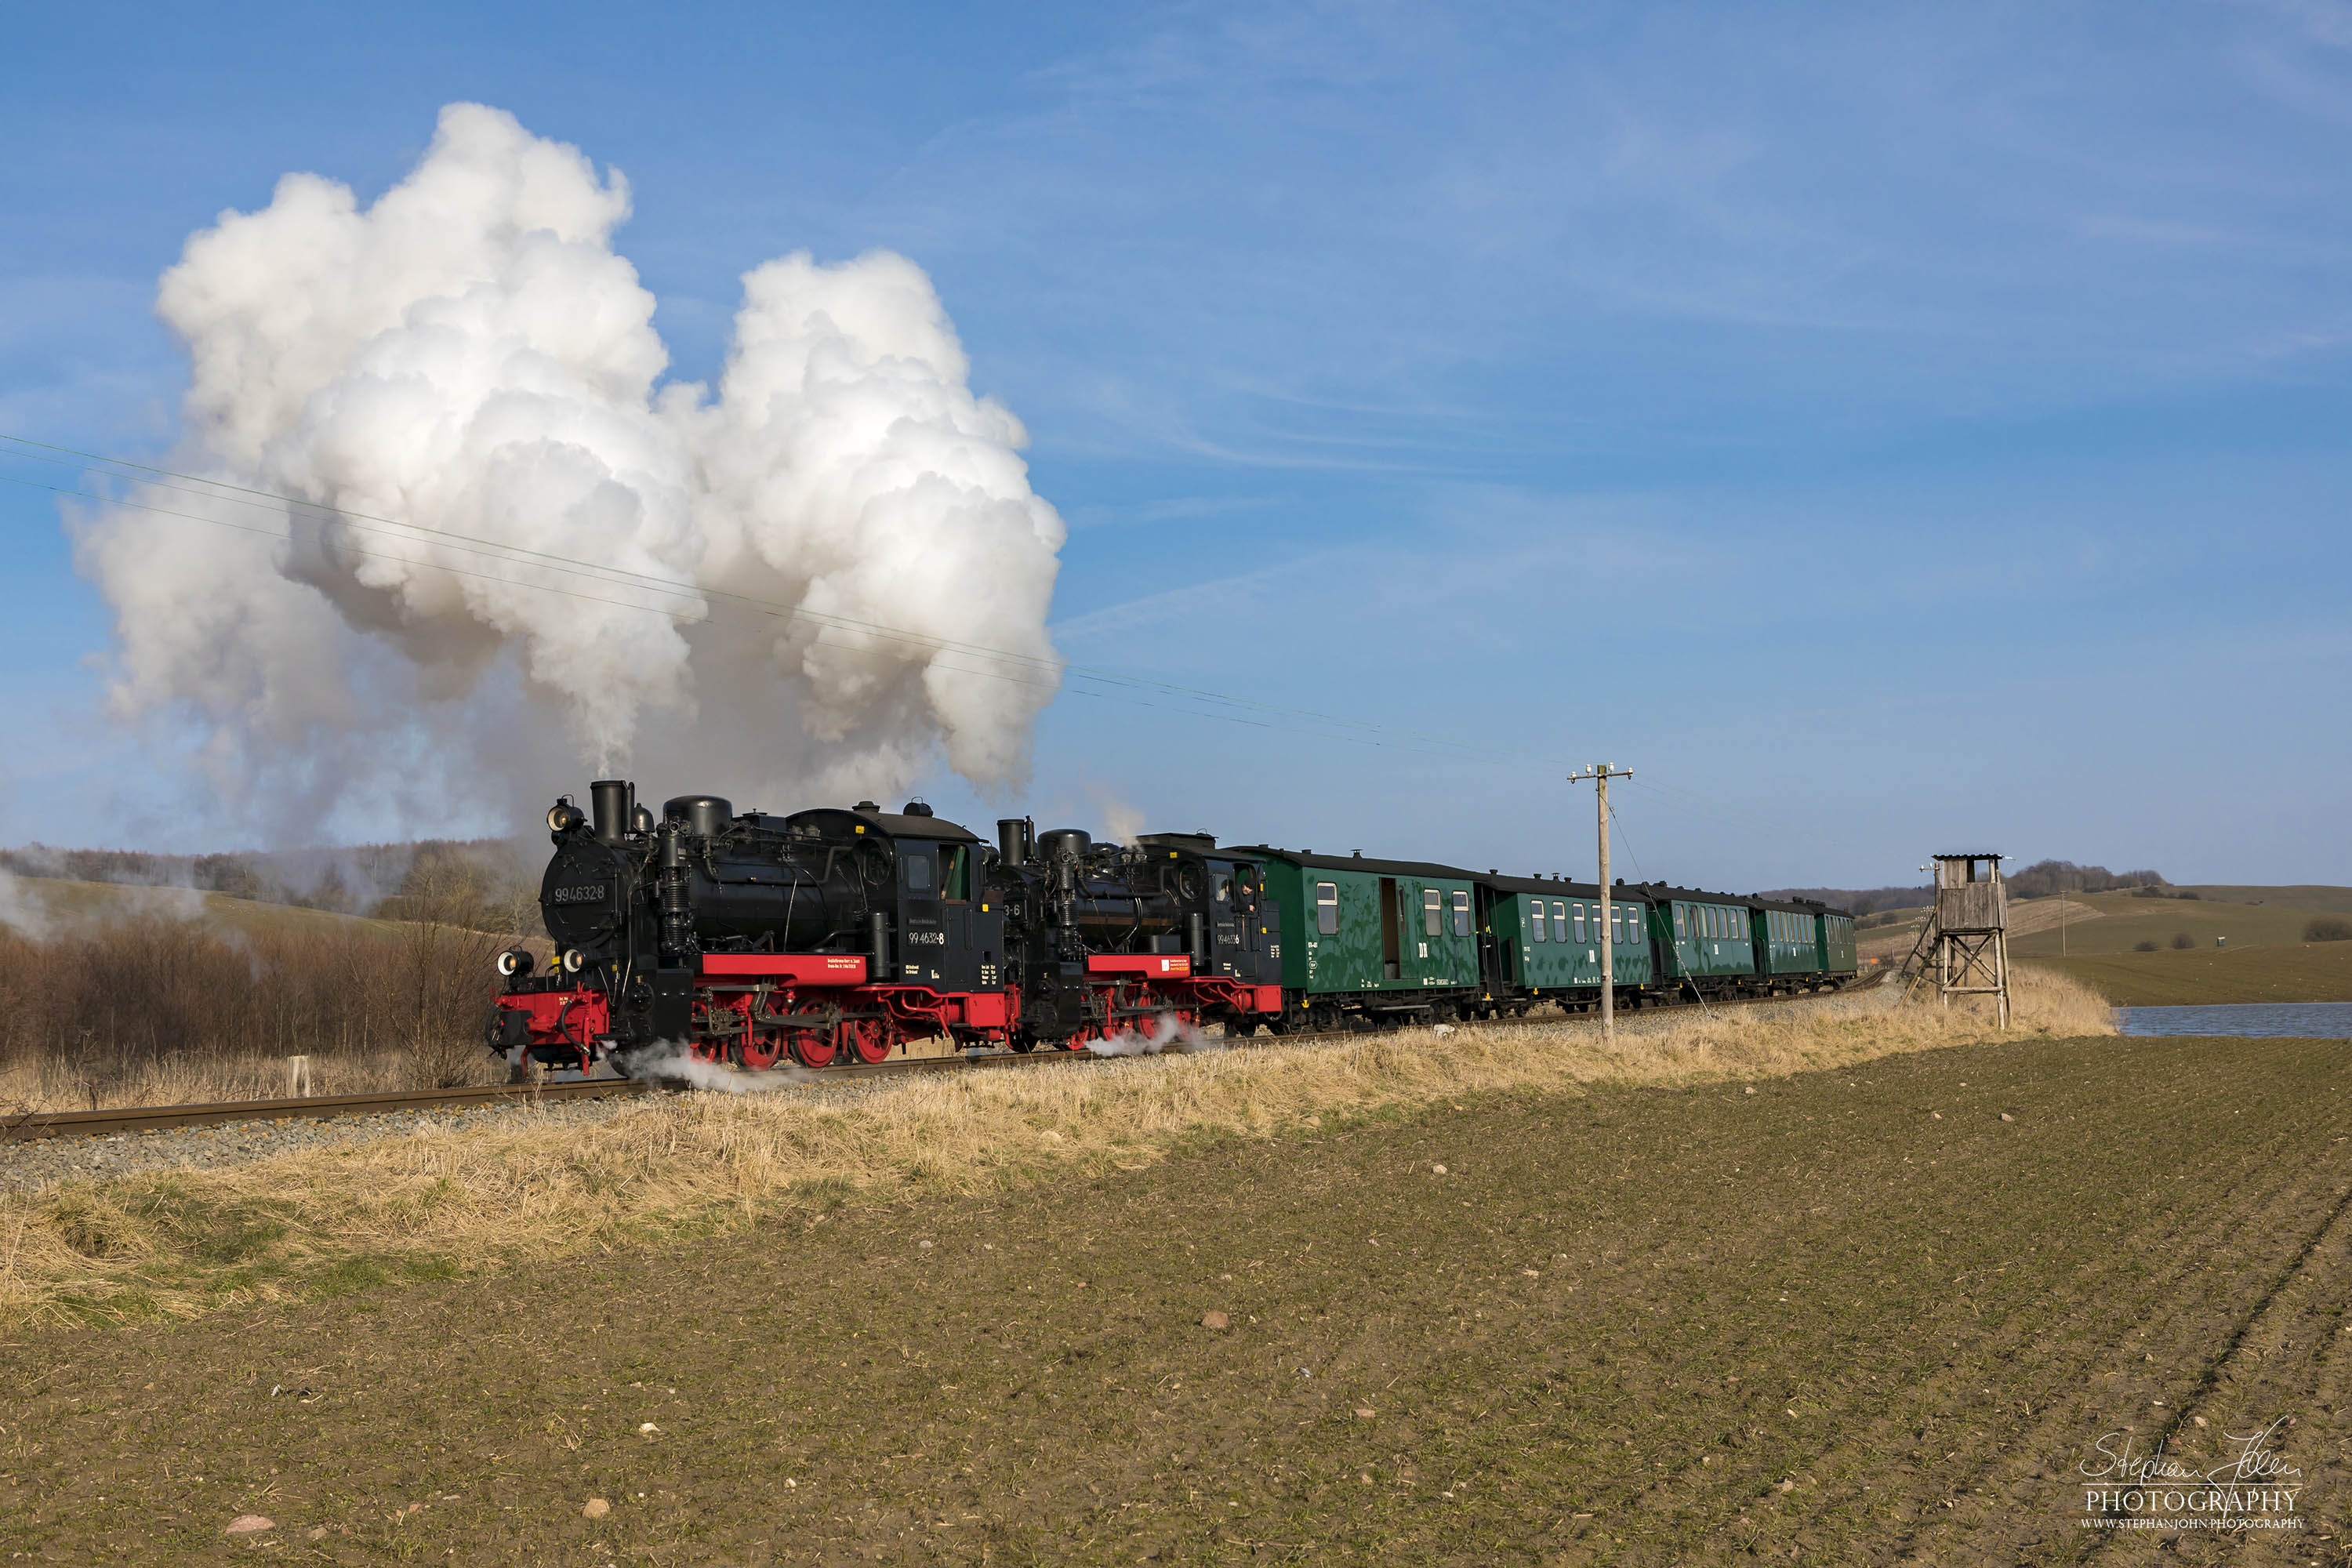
(597, 1507)
(249, 1524)
(1215, 1320)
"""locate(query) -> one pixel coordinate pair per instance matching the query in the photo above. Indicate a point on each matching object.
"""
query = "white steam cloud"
(469, 355)
(681, 1066)
(23, 912)
(1170, 1035)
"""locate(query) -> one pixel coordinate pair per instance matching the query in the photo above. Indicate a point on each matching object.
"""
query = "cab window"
(955, 871)
(915, 869)
(1220, 889)
(1327, 908)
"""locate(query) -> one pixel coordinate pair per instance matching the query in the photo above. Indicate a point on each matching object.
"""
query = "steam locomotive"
(832, 935)
(856, 935)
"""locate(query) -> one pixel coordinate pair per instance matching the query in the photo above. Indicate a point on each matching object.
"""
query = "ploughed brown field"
(1878, 1312)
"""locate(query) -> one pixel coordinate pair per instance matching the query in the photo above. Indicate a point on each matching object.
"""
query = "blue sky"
(1883, 428)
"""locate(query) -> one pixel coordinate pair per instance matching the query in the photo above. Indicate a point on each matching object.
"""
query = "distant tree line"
(1859, 900)
(2045, 878)
(2037, 881)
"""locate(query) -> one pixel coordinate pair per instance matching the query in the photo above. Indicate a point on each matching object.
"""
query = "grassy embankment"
(1869, 1314)
(522, 1191)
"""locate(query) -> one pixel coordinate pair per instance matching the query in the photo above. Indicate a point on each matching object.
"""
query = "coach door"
(1391, 958)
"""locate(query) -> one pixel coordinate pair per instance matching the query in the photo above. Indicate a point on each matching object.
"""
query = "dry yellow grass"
(524, 1188)
(54, 1082)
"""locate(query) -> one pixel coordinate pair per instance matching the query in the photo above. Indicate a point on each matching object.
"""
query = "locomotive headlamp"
(564, 816)
(514, 962)
(574, 960)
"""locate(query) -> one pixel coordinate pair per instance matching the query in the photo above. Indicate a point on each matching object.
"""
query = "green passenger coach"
(1378, 939)
(1787, 936)
(1839, 959)
(1543, 937)
(1703, 942)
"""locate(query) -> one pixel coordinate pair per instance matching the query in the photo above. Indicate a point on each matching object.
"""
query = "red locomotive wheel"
(868, 1037)
(813, 1049)
(761, 1052)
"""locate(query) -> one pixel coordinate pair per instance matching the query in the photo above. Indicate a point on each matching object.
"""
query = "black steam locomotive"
(832, 935)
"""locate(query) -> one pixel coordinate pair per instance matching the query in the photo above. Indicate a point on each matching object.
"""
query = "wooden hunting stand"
(1966, 941)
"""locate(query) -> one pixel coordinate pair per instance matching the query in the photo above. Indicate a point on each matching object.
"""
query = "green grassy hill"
(2316, 971)
(2125, 921)
(2302, 896)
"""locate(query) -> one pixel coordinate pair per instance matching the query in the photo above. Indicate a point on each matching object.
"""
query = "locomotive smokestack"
(1013, 841)
(609, 801)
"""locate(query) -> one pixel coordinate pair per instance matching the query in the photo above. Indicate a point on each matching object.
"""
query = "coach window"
(1537, 931)
(1327, 908)
(1432, 921)
(1678, 922)
(1461, 914)
(918, 869)
(1580, 922)
(1559, 921)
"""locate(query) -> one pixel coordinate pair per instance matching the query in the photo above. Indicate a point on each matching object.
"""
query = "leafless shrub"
(156, 1011)
(2328, 928)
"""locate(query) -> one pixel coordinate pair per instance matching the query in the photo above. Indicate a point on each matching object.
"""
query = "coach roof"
(1423, 869)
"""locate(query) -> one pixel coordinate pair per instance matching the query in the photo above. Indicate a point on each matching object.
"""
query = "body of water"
(2309, 1020)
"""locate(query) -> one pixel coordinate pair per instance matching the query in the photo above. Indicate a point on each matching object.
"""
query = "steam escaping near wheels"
(513, 543)
(1170, 1035)
(674, 1065)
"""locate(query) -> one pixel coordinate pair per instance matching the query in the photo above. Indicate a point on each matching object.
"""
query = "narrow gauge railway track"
(35, 1126)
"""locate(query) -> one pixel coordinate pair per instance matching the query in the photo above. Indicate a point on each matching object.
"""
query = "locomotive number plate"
(586, 893)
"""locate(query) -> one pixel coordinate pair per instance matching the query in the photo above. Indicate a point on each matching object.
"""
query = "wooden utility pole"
(1601, 774)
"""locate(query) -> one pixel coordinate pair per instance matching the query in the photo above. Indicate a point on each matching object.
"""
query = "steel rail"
(28, 1127)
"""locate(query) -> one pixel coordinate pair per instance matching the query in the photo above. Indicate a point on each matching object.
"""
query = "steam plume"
(1170, 1035)
(470, 354)
(678, 1065)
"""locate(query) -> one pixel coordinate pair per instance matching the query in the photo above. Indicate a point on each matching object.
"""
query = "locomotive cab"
(933, 922)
